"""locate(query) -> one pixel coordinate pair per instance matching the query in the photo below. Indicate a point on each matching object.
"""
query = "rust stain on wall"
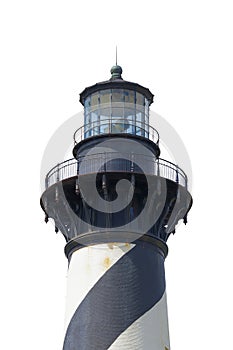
(107, 262)
(110, 245)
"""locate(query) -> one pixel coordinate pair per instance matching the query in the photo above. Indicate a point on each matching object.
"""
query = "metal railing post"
(158, 168)
(186, 181)
(46, 182)
(177, 175)
(58, 175)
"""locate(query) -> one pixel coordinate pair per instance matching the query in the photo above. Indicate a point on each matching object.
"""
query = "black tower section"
(116, 112)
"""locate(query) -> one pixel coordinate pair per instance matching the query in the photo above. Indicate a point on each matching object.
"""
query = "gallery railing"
(116, 162)
(116, 126)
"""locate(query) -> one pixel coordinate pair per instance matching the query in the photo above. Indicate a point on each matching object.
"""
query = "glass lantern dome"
(116, 106)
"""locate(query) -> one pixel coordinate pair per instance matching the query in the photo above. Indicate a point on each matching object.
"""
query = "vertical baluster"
(46, 182)
(105, 159)
(132, 162)
(177, 175)
(58, 175)
(78, 166)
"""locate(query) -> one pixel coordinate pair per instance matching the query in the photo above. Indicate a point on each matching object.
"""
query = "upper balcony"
(116, 125)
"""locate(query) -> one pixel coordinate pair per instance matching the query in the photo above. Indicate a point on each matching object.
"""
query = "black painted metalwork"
(116, 126)
(169, 197)
(116, 84)
(156, 166)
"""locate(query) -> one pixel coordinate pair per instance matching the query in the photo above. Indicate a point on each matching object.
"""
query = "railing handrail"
(132, 122)
(59, 165)
(56, 173)
(173, 165)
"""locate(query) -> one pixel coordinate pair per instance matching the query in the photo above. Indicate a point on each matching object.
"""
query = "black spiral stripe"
(130, 288)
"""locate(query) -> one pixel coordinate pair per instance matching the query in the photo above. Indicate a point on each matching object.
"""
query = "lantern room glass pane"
(117, 112)
(129, 105)
(105, 126)
(87, 102)
(146, 111)
(140, 99)
(129, 96)
(140, 103)
(105, 110)
(105, 97)
(94, 100)
(117, 95)
(140, 124)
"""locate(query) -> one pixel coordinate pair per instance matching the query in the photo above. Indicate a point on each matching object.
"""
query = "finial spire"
(116, 70)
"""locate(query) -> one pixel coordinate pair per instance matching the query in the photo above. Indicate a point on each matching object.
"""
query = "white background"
(182, 51)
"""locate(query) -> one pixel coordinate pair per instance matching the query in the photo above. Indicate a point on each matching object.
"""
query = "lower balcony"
(114, 162)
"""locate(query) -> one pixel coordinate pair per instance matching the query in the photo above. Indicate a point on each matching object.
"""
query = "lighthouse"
(116, 202)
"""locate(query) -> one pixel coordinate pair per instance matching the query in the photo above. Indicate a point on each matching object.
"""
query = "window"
(95, 100)
(116, 111)
(117, 95)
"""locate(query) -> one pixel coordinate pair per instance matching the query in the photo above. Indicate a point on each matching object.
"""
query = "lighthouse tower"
(116, 203)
